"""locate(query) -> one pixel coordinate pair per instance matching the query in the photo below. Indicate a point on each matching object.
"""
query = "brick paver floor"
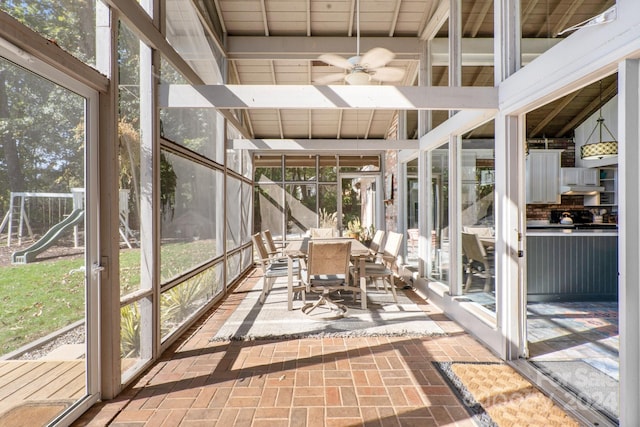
(373, 381)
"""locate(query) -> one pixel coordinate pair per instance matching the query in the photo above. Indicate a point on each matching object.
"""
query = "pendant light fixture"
(601, 149)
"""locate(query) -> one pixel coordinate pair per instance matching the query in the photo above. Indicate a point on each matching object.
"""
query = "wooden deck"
(29, 386)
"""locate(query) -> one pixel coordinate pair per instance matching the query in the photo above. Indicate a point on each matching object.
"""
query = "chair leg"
(393, 288)
(487, 279)
(266, 287)
(467, 284)
(374, 280)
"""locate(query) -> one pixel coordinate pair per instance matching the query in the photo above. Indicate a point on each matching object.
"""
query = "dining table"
(298, 248)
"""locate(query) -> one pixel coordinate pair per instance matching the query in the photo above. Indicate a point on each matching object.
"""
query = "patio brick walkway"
(374, 381)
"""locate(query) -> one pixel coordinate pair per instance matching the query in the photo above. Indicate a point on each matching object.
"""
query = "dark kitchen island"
(566, 264)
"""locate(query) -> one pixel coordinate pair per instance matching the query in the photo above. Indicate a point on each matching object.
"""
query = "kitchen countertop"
(546, 225)
(560, 231)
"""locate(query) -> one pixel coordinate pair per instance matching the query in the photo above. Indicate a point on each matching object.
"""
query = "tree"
(42, 124)
(9, 147)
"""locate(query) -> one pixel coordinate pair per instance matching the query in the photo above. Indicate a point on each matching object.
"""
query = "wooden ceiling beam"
(565, 17)
(589, 109)
(220, 17)
(481, 8)
(436, 21)
(475, 51)
(528, 10)
(553, 114)
(233, 69)
(288, 144)
(265, 21)
(298, 97)
(369, 123)
(352, 14)
(308, 18)
(394, 20)
(279, 114)
(290, 47)
(545, 29)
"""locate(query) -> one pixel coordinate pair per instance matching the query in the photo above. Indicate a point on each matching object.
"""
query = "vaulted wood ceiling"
(279, 42)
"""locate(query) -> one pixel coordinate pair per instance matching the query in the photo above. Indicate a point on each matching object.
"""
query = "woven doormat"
(36, 413)
(496, 395)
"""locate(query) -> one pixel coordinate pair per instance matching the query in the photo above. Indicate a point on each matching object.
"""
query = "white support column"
(455, 44)
(402, 187)
(149, 198)
(425, 220)
(507, 39)
(402, 208)
(424, 171)
(509, 190)
(106, 54)
(424, 79)
(455, 214)
(629, 238)
(510, 297)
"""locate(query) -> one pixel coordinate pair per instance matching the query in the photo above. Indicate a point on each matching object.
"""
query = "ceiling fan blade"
(387, 74)
(329, 78)
(336, 60)
(376, 57)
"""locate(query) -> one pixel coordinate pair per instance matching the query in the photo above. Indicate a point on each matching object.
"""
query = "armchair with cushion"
(327, 272)
(474, 253)
(382, 267)
(376, 244)
(272, 247)
(273, 267)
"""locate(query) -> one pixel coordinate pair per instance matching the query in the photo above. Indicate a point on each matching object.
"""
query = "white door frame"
(379, 212)
(92, 242)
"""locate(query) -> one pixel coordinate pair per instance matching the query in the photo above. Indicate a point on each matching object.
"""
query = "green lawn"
(42, 297)
(38, 299)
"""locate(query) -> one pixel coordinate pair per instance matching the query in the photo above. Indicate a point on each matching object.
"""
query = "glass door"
(360, 206)
(48, 253)
(412, 219)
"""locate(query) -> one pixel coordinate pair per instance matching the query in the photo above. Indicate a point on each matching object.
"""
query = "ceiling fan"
(360, 70)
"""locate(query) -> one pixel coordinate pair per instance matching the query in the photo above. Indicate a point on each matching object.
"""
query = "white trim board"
(328, 97)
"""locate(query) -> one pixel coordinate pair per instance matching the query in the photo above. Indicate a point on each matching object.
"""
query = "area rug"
(271, 320)
(496, 395)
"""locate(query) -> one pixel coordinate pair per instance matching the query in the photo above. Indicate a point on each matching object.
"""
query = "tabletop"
(300, 247)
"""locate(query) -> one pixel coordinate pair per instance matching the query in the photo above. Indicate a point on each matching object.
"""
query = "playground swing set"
(17, 218)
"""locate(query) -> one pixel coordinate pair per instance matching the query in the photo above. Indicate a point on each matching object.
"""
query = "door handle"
(96, 269)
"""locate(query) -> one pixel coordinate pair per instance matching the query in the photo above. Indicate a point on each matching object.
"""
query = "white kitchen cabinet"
(579, 177)
(543, 176)
(607, 178)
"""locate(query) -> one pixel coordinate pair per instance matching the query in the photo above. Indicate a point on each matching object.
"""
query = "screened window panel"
(234, 216)
(191, 201)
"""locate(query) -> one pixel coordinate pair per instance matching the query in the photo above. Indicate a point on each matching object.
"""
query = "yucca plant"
(182, 300)
(129, 331)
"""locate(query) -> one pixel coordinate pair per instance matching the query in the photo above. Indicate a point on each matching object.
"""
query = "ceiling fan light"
(358, 78)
